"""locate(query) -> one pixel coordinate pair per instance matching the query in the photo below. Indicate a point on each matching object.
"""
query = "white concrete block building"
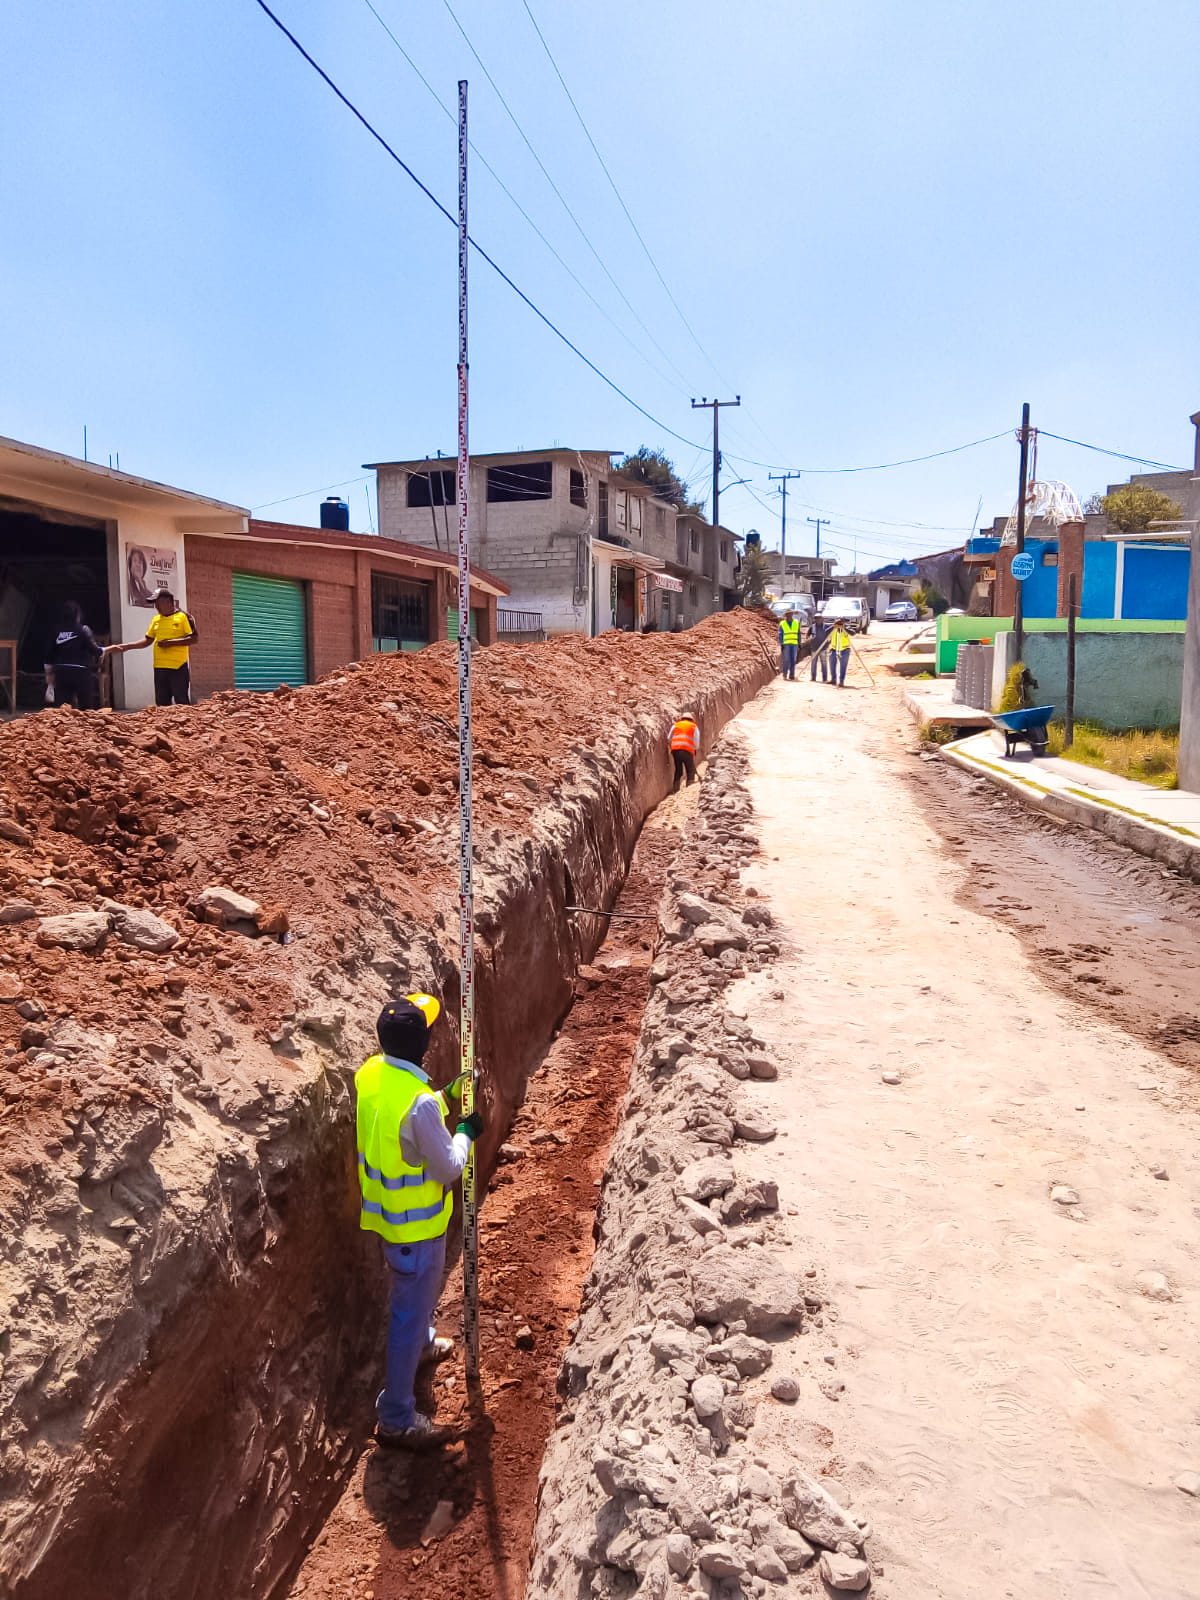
(574, 540)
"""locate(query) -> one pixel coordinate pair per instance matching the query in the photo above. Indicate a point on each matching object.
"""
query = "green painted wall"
(1123, 679)
(953, 631)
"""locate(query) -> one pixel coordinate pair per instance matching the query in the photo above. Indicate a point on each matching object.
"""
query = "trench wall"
(230, 1394)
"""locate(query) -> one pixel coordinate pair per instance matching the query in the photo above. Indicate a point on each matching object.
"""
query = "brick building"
(286, 604)
(274, 603)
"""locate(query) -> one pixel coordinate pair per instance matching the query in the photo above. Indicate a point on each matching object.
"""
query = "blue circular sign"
(1023, 565)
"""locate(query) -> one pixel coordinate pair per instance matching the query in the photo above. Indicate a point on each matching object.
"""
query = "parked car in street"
(848, 609)
(802, 604)
(901, 611)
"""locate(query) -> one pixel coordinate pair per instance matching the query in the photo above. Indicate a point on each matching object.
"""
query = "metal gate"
(270, 632)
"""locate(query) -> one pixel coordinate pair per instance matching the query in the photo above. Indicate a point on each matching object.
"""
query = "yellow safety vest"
(790, 631)
(399, 1202)
(839, 639)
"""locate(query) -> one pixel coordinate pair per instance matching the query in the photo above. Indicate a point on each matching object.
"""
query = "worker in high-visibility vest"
(407, 1166)
(685, 746)
(789, 643)
(839, 654)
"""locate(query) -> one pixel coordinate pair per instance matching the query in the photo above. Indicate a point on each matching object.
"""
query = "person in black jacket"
(73, 661)
(820, 656)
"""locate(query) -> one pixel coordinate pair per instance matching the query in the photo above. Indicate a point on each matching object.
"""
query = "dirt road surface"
(1009, 1231)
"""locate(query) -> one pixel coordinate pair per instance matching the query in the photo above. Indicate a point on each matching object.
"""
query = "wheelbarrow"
(1029, 727)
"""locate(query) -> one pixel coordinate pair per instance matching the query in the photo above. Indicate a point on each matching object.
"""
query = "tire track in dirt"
(1110, 928)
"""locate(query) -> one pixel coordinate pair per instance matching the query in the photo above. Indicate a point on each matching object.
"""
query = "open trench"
(190, 1422)
(460, 1522)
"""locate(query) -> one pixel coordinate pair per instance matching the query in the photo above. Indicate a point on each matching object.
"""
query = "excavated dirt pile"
(201, 912)
(662, 1478)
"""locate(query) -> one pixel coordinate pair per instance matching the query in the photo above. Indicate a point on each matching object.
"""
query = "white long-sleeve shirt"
(424, 1138)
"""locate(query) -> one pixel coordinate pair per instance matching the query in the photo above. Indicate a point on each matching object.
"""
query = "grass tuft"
(1147, 755)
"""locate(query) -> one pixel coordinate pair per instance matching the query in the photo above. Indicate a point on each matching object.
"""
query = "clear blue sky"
(887, 224)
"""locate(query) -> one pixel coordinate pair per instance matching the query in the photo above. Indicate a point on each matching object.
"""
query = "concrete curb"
(1176, 847)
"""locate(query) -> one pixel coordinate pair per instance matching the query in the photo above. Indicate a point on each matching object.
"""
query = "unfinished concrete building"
(582, 547)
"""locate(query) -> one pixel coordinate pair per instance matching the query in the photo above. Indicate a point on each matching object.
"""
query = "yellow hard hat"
(428, 1005)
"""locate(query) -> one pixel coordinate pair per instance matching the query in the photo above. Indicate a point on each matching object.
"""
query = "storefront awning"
(664, 580)
(620, 556)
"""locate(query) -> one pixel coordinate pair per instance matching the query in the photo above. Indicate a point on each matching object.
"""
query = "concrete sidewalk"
(1163, 823)
(931, 701)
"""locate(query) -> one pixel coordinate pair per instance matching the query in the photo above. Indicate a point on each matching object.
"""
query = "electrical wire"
(542, 317)
(771, 511)
(1119, 455)
(324, 489)
(612, 183)
(878, 466)
(474, 243)
(487, 166)
(563, 201)
(883, 522)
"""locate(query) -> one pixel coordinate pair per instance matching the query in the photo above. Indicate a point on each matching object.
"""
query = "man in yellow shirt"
(171, 632)
(839, 653)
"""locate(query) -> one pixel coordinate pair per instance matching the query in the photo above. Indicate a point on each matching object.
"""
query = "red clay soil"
(334, 804)
(535, 1251)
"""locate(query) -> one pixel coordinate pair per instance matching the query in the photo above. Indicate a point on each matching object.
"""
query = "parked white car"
(802, 604)
(848, 609)
(901, 611)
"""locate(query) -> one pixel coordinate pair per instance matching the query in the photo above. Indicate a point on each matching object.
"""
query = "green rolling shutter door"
(452, 623)
(269, 632)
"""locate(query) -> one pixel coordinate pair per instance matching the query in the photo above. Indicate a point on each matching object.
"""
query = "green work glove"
(471, 1125)
(454, 1089)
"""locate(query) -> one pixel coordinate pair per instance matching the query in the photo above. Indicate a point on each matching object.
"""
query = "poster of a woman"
(147, 571)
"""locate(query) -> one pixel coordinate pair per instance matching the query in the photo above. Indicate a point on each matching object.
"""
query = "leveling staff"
(407, 1166)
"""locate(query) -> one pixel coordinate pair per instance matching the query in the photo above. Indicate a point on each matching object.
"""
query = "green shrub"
(1013, 698)
(927, 598)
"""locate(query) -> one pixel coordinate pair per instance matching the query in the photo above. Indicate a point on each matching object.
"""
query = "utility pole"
(819, 523)
(715, 407)
(1018, 588)
(782, 479)
(1072, 608)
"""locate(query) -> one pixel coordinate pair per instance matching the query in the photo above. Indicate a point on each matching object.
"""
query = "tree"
(1093, 505)
(928, 598)
(752, 577)
(1136, 505)
(657, 470)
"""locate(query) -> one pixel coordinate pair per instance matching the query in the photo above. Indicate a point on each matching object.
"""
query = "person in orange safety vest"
(685, 746)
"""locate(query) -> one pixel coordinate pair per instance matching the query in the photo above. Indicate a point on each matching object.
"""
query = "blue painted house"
(1126, 579)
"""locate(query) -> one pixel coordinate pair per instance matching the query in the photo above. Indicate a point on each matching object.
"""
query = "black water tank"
(335, 513)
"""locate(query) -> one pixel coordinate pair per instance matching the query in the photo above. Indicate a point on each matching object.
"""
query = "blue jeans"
(820, 657)
(839, 660)
(416, 1272)
(790, 652)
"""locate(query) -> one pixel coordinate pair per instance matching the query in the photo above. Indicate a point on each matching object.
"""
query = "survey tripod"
(824, 645)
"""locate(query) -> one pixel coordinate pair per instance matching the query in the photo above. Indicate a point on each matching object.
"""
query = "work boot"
(436, 1351)
(423, 1435)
